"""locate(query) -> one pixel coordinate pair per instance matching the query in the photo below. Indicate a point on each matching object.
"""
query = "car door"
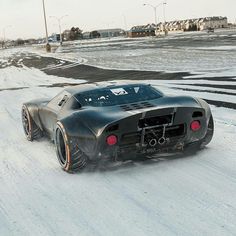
(49, 113)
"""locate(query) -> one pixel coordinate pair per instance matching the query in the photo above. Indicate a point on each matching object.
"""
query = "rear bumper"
(134, 151)
(152, 133)
(130, 150)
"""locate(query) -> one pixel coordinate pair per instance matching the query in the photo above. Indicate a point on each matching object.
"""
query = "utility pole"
(3, 39)
(48, 47)
(125, 23)
(155, 11)
(59, 24)
(4, 35)
(164, 18)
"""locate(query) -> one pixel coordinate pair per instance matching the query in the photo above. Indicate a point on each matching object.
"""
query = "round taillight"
(195, 125)
(112, 140)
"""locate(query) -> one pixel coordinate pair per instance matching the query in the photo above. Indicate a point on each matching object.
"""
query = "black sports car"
(114, 119)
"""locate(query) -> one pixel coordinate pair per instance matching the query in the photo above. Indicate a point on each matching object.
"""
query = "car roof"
(86, 87)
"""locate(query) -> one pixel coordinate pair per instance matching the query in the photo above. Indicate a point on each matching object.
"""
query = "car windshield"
(118, 95)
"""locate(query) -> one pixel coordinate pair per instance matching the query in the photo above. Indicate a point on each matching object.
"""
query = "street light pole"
(48, 47)
(164, 12)
(125, 22)
(4, 37)
(4, 34)
(59, 24)
(164, 17)
(155, 10)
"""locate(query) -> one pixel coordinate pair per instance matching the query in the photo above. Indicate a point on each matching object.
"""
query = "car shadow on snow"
(124, 163)
(143, 161)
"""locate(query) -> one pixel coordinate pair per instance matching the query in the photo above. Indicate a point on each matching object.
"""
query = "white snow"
(223, 48)
(194, 195)
(170, 88)
(13, 77)
(158, 54)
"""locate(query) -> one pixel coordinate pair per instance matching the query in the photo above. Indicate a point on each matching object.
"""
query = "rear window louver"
(136, 106)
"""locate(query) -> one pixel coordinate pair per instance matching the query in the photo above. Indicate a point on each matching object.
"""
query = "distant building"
(197, 24)
(104, 33)
(142, 31)
(30, 41)
(95, 34)
(54, 38)
(213, 22)
(91, 35)
(107, 33)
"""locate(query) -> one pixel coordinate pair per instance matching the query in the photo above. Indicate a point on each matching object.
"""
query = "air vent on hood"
(136, 106)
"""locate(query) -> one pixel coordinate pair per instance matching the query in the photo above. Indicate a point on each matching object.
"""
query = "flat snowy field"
(192, 195)
(195, 52)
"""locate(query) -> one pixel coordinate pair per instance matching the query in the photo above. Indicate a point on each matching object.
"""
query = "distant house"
(213, 22)
(197, 24)
(171, 26)
(142, 31)
(190, 25)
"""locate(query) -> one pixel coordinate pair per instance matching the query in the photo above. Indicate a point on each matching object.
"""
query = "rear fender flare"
(77, 131)
(34, 113)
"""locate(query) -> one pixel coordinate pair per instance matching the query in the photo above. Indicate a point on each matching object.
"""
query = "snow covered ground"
(191, 195)
(192, 52)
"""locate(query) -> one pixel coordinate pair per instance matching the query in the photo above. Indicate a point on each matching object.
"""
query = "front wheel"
(70, 157)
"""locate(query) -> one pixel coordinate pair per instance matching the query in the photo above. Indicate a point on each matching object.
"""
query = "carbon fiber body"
(146, 127)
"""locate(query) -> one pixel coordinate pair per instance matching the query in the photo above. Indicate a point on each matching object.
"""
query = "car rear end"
(152, 131)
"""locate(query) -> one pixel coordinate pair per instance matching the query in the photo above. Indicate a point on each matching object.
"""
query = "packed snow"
(197, 52)
(191, 195)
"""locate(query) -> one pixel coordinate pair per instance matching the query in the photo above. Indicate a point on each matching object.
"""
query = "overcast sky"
(25, 17)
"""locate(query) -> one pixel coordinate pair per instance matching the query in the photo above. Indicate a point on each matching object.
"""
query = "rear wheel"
(69, 155)
(194, 147)
(32, 131)
(210, 131)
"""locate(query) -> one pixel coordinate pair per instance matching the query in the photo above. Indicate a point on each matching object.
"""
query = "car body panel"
(89, 126)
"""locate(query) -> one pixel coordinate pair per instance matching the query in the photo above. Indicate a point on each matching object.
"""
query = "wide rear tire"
(194, 147)
(210, 131)
(69, 155)
(31, 130)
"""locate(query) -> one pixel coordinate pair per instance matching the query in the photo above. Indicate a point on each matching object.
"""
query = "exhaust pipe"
(153, 142)
(161, 141)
